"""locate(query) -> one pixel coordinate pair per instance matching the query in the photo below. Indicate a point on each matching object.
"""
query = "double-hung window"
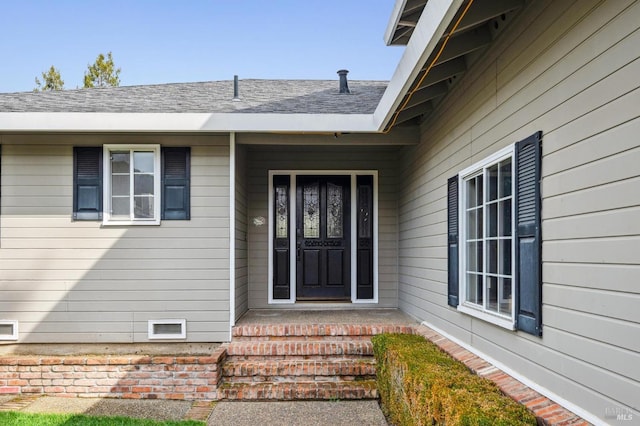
(486, 214)
(494, 260)
(132, 184)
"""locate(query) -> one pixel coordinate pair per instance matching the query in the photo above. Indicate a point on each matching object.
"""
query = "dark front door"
(323, 235)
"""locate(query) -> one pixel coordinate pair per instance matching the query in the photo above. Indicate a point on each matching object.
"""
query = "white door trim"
(293, 174)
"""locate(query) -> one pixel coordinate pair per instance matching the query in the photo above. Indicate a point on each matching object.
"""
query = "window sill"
(131, 223)
(507, 323)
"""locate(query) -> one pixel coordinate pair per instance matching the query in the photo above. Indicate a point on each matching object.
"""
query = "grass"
(12, 418)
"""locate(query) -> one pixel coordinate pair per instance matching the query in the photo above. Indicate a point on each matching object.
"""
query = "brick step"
(298, 370)
(314, 331)
(364, 389)
(304, 349)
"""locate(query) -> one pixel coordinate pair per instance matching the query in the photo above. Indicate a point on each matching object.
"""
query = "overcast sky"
(195, 40)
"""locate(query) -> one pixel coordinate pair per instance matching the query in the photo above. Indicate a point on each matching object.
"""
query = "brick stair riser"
(331, 331)
(303, 368)
(301, 349)
(298, 391)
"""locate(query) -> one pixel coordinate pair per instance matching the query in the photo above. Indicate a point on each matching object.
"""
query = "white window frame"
(106, 200)
(183, 327)
(465, 306)
(15, 334)
(353, 174)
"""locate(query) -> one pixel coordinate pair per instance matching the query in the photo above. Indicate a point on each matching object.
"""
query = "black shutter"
(176, 194)
(452, 225)
(528, 250)
(87, 183)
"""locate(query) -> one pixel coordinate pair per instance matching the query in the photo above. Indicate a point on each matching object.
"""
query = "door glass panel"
(311, 209)
(334, 211)
(282, 211)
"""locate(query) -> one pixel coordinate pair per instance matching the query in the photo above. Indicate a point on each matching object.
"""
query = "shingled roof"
(256, 96)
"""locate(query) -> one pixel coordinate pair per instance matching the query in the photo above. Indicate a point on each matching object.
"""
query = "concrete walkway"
(221, 413)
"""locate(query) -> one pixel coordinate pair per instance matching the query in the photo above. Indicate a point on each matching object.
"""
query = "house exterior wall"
(241, 261)
(262, 158)
(82, 282)
(571, 70)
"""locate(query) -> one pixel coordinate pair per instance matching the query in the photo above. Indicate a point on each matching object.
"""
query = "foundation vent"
(8, 330)
(168, 329)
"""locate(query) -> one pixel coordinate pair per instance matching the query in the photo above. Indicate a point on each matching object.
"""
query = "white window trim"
(106, 200)
(15, 334)
(293, 174)
(183, 328)
(464, 306)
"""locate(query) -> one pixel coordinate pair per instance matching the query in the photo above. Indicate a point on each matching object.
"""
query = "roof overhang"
(443, 39)
(183, 122)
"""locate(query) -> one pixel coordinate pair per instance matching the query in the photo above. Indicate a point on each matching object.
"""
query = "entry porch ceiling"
(482, 23)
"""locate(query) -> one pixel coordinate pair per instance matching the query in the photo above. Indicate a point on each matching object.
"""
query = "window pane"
(471, 193)
(334, 211)
(492, 256)
(471, 225)
(492, 173)
(119, 162)
(143, 162)
(474, 289)
(142, 184)
(311, 207)
(479, 223)
(480, 256)
(143, 207)
(120, 207)
(505, 296)
(472, 257)
(492, 294)
(505, 218)
(492, 220)
(505, 257)
(480, 187)
(282, 211)
(120, 185)
(505, 178)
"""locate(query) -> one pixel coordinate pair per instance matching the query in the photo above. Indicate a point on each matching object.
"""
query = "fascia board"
(435, 19)
(183, 122)
(398, 7)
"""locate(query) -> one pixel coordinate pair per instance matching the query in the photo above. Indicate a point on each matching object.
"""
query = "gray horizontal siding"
(79, 282)
(569, 69)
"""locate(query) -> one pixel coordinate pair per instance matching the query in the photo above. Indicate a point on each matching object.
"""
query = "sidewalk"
(221, 413)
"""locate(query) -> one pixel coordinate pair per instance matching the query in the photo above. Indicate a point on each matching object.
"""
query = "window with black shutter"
(494, 238)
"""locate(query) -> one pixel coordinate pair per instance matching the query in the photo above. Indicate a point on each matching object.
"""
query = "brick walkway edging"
(198, 377)
(546, 411)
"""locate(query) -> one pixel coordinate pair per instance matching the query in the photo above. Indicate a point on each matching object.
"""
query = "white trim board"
(292, 224)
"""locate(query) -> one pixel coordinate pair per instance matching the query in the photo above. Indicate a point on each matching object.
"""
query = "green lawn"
(12, 418)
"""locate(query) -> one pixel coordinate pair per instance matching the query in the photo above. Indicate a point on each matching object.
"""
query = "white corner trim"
(232, 232)
(435, 19)
(14, 330)
(590, 417)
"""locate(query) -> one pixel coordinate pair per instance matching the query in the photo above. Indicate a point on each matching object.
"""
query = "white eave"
(436, 17)
(183, 122)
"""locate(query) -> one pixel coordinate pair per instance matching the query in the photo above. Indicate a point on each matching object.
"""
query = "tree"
(102, 73)
(51, 80)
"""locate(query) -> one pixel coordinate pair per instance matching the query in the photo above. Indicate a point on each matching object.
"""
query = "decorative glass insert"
(282, 211)
(488, 237)
(335, 204)
(364, 213)
(311, 209)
